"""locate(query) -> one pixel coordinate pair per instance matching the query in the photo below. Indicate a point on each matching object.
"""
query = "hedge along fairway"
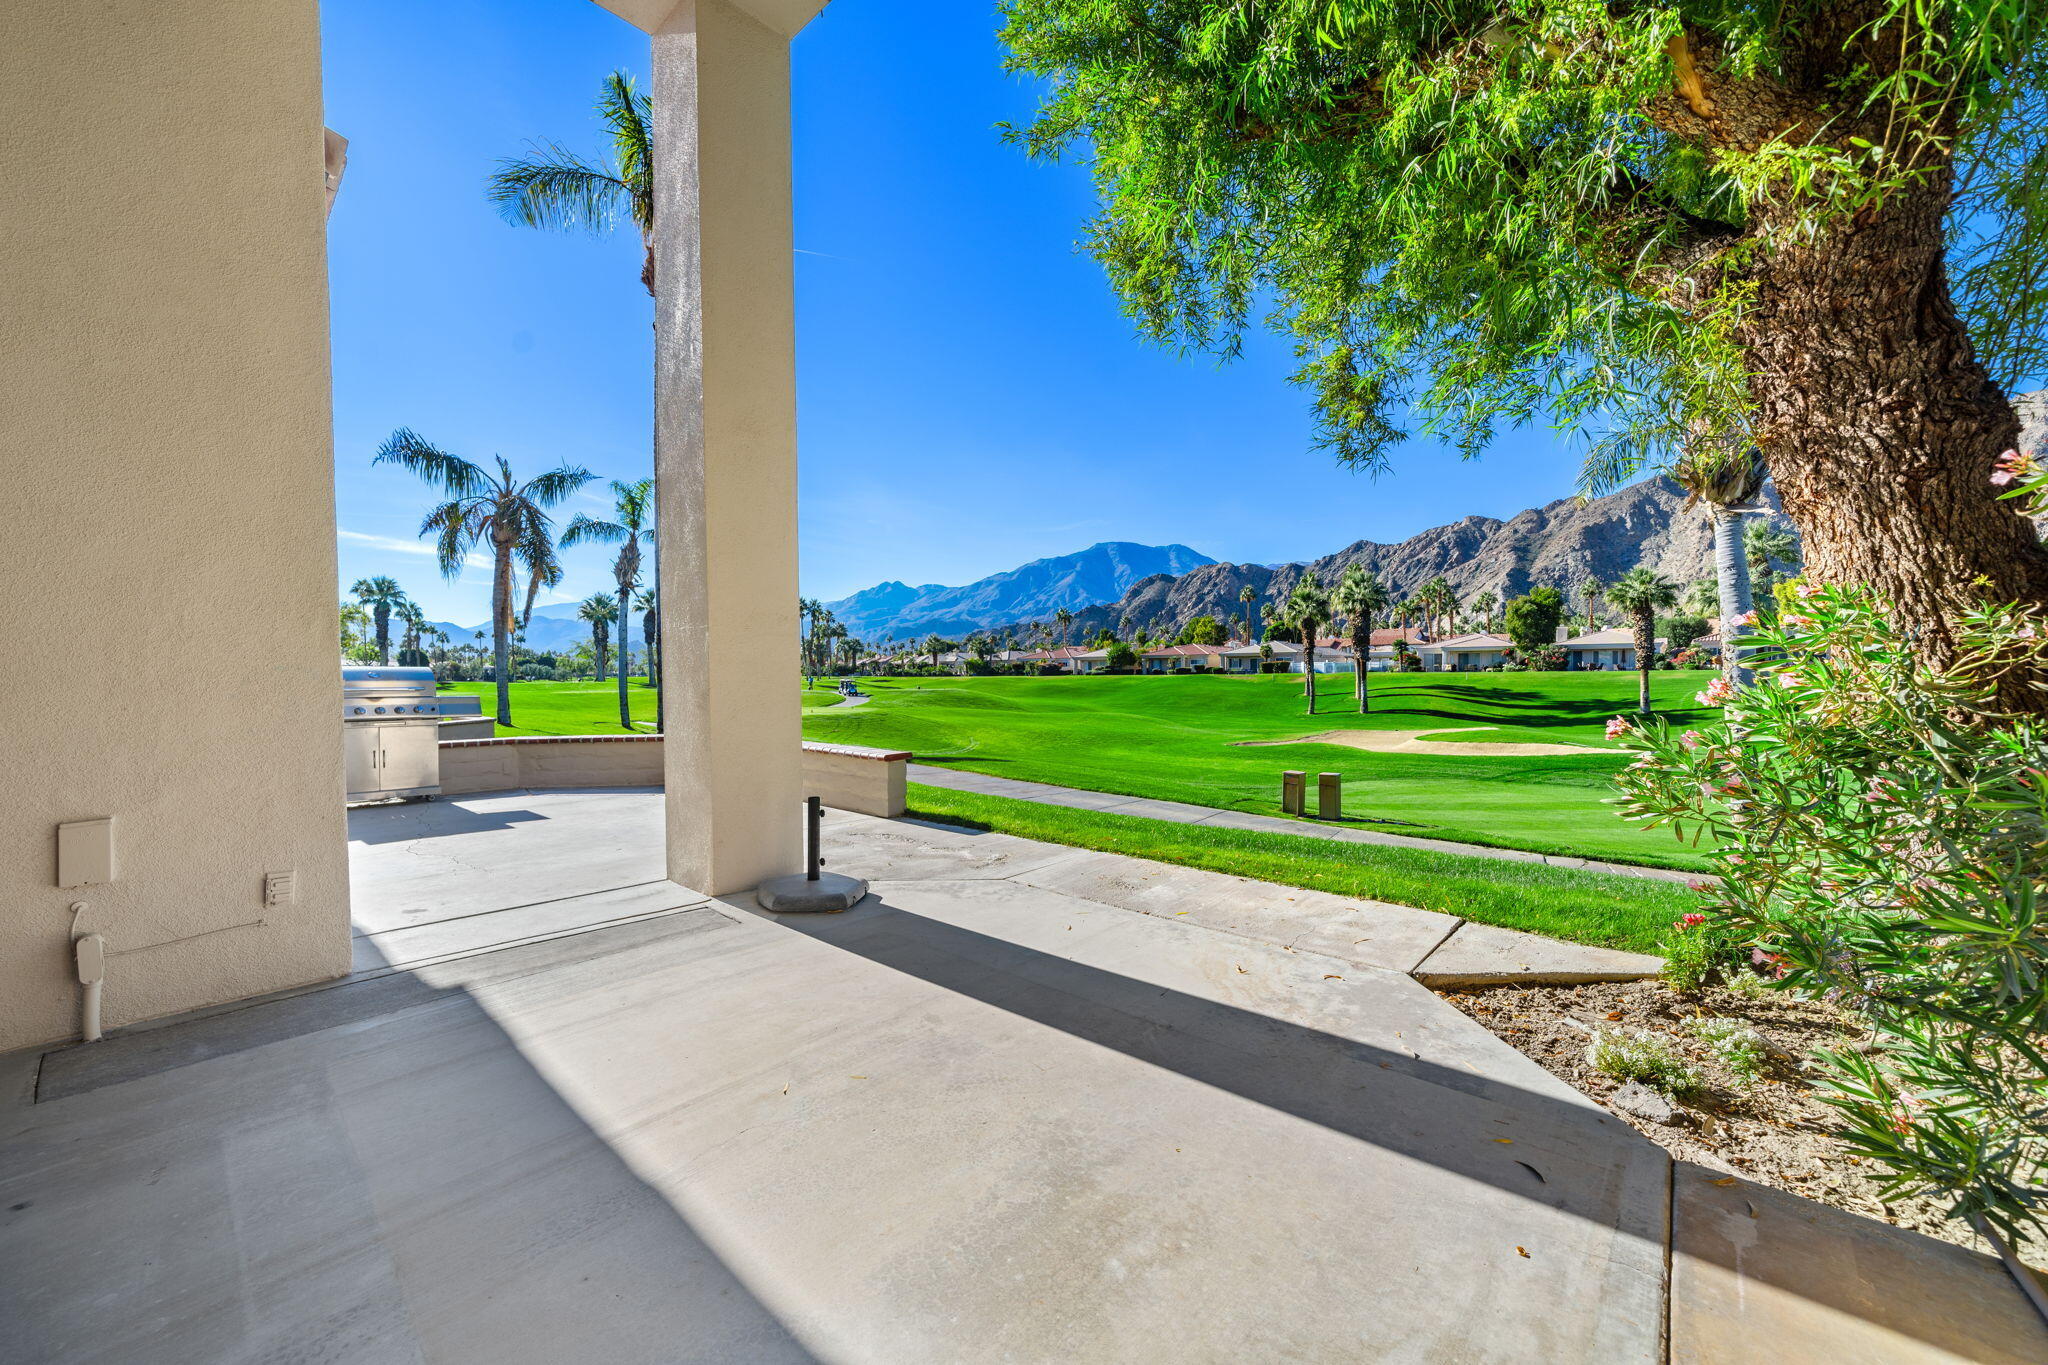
(1181, 738)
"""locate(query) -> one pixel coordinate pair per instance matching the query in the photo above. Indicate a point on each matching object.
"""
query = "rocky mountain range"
(1100, 573)
(1561, 544)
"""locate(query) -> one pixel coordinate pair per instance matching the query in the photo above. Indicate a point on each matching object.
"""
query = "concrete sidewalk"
(1021, 1104)
(1182, 812)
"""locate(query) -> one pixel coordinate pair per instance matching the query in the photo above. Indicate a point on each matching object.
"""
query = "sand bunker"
(1413, 742)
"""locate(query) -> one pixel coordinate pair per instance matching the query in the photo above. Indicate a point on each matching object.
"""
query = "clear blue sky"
(970, 396)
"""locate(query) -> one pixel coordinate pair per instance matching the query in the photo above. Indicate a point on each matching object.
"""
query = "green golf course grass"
(1181, 738)
(586, 708)
(1602, 909)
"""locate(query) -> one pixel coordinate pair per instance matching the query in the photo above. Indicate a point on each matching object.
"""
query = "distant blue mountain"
(552, 628)
(1100, 573)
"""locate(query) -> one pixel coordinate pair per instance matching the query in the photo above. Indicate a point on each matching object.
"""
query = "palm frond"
(456, 477)
(550, 488)
(556, 189)
(455, 535)
(583, 530)
(629, 114)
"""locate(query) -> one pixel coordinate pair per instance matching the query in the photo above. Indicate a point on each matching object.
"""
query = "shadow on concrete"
(380, 1175)
(1569, 1157)
(397, 824)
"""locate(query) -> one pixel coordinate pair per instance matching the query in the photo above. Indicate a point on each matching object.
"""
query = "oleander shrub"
(1881, 831)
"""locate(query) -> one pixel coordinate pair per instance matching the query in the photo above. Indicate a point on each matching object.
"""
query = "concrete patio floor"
(1024, 1103)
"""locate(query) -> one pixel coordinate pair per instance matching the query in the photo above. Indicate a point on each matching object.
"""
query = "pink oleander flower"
(1717, 693)
(1776, 962)
(1693, 921)
(1700, 888)
(1798, 622)
(1747, 618)
(1691, 739)
(2012, 465)
(1617, 727)
(1810, 590)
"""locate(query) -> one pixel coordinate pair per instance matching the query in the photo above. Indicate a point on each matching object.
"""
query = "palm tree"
(553, 188)
(1764, 543)
(1484, 603)
(632, 523)
(415, 622)
(1643, 592)
(1066, 623)
(935, 645)
(1360, 596)
(1702, 597)
(499, 510)
(1249, 595)
(1727, 479)
(601, 610)
(1306, 610)
(650, 635)
(1594, 590)
(380, 595)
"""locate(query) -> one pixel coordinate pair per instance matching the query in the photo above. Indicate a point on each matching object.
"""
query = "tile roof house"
(1169, 658)
(1465, 653)
(1603, 649)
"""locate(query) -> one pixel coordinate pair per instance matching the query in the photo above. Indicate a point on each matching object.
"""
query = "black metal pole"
(815, 810)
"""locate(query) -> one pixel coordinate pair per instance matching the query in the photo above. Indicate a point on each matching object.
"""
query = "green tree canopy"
(1200, 630)
(1821, 227)
(1532, 620)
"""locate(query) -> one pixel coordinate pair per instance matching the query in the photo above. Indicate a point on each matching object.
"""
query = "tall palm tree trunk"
(383, 615)
(1731, 577)
(625, 649)
(1308, 669)
(1646, 644)
(501, 627)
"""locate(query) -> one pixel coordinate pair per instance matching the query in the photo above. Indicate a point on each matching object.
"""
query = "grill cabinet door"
(409, 756)
(359, 759)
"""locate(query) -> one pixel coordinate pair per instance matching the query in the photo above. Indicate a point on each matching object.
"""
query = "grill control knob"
(380, 710)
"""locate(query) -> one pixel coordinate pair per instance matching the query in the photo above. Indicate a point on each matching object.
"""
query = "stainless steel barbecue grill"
(390, 732)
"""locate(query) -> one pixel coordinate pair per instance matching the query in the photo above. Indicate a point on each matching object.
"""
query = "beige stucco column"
(725, 443)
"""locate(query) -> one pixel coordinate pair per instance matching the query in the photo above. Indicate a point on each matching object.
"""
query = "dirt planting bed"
(1775, 1130)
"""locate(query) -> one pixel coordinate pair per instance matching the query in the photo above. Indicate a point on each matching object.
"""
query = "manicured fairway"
(586, 708)
(1602, 909)
(1179, 738)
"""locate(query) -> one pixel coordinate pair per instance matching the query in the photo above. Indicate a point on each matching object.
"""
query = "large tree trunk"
(1646, 646)
(383, 616)
(1731, 578)
(625, 651)
(501, 630)
(1881, 428)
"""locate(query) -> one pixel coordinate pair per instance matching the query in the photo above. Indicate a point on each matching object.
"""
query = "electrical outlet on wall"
(279, 888)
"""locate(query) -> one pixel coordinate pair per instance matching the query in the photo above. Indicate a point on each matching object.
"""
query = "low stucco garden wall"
(843, 776)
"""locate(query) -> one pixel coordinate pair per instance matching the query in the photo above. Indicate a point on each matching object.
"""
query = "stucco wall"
(168, 561)
(843, 776)
(482, 765)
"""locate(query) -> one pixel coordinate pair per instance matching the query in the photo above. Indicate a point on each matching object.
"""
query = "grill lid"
(360, 682)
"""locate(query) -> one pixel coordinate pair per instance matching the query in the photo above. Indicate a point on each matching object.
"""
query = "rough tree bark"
(1880, 427)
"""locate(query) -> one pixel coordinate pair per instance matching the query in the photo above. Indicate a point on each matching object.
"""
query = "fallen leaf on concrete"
(1613, 1014)
(1331, 976)
(1239, 968)
(1505, 1141)
(1521, 1253)
(1533, 1171)
(1729, 1181)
